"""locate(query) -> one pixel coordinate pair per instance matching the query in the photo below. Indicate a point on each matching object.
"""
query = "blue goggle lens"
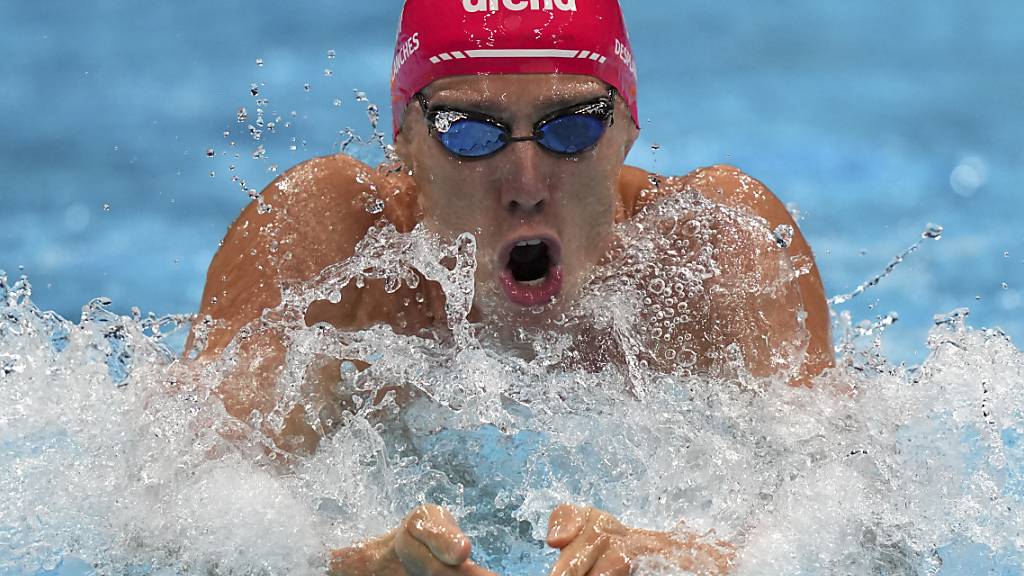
(473, 138)
(572, 133)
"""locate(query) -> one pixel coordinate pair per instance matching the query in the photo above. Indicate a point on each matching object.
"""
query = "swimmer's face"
(542, 220)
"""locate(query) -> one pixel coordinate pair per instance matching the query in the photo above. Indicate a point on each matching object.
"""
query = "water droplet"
(933, 232)
(328, 72)
(360, 96)
(213, 174)
(337, 102)
(210, 152)
(969, 176)
(784, 235)
(330, 54)
(1006, 254)
(259, 62)
(106, 207)
(259, 153)
(1005, 286)
(254, 89)
(243, 115)
(306, 88)
(655, 147)
(375, 206)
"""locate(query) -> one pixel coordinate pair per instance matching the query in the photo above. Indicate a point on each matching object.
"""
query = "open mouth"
(532, 275)
(530, 261)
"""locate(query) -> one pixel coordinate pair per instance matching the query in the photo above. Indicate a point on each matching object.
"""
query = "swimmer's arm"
(764, 289)
(317, 215)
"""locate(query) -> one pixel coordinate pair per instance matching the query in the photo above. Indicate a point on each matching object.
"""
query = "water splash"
(931, 232)
(119, 452)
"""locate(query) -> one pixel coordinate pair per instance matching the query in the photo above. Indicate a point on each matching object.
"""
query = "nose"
(525, 188)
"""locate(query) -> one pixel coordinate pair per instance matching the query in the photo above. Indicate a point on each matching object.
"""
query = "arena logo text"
(517, 5)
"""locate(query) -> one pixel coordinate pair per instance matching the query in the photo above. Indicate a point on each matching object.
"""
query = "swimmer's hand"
(428, 543)
(595, 543)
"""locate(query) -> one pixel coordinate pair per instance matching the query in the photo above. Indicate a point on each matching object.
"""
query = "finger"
(418, 560)
(613, 563)
(471, 569)
(435, 527)
(375, 555)
(579, 557)
(565, 525)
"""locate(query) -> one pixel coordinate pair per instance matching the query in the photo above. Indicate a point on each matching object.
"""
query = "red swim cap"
(442, 38)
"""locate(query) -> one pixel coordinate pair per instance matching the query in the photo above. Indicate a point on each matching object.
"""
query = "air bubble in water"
(376, 206)
(330, 54)
(259, 62)
(242, 116)
(328, 72)
(210, 152)
(305, 87)
(337, 102)
(254, 89)
(106, 207)
(360, 96)
(1005, 286)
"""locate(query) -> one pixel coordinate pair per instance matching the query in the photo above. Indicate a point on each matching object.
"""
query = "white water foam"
(116, 451)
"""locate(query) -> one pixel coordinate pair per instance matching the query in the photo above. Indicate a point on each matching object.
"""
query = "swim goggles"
(568, 131)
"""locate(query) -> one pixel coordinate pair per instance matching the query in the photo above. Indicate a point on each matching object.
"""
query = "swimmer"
(512, 120)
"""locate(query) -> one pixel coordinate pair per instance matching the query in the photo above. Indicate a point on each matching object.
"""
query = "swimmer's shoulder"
(308, 218)
(339, 195)
(721, 183)
(729, 186)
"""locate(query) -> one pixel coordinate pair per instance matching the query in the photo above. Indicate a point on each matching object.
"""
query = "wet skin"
(319, 214)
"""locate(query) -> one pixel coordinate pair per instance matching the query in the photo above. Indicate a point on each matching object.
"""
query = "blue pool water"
(859, 114)
(873, 119)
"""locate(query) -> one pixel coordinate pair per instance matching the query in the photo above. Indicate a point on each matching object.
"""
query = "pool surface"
(128, 153)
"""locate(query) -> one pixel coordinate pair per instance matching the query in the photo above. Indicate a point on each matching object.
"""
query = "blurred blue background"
(873, 118)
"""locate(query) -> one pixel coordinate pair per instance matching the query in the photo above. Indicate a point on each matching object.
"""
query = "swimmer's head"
(444, 38)
(522, 147)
